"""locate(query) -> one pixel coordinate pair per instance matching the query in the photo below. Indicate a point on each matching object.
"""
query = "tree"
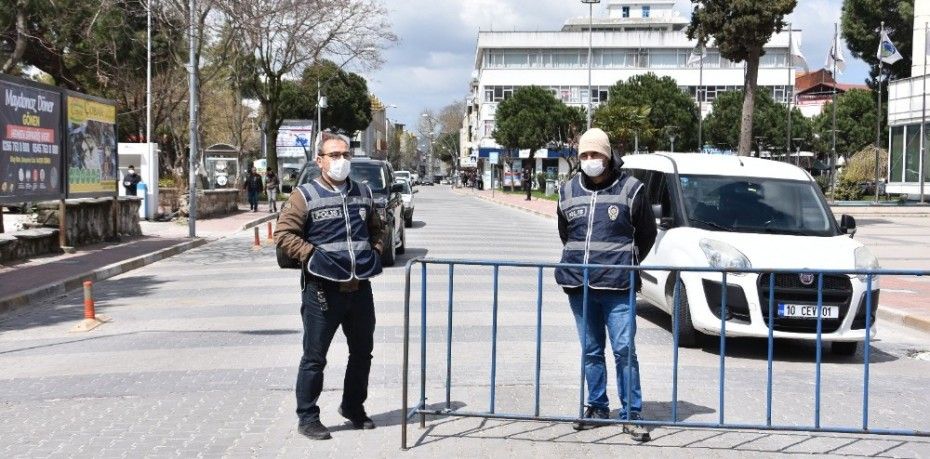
(672, 110)
(740, 30)
(721, 127)
(625, 124)
(855, 123)
(525, 121)
(860, 22)
(286, 36)
(571, 122)
(348, 107)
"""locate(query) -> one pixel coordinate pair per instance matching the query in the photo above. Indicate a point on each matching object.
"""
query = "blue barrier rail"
(422, 410)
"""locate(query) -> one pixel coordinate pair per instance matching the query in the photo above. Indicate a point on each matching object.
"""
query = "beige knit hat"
(594, 140)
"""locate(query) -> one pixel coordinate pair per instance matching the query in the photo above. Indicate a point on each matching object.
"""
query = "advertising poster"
(30, 138)
(294, 138)
(92, 162)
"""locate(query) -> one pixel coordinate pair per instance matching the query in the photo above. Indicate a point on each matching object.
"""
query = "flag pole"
(923, 119)
(878, 120)
(791, 85)
(835, 52)
(700, 94)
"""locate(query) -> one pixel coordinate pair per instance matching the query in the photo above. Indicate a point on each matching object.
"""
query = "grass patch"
(536, 194)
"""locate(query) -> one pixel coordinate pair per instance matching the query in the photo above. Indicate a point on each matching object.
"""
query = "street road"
(201, 356)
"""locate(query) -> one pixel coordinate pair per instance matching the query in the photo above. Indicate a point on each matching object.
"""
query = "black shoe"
(359, 420)
(591, 413)
(639, 432)
(314, 430)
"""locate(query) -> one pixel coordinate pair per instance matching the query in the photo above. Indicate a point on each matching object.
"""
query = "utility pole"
(192, 122)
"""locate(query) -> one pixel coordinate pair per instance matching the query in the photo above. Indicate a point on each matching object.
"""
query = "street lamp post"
(590, 4)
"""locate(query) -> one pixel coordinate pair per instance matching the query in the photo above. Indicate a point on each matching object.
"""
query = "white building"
(906, 99)
(637, 36)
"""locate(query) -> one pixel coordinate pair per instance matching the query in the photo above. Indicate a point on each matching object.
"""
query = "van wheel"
(844, 348)
(688, 336)
(390, 252)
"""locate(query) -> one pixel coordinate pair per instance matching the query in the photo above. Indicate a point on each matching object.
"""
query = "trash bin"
(550, 187)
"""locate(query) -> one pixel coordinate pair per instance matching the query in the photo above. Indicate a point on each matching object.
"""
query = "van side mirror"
(848, 225)
(662, 221)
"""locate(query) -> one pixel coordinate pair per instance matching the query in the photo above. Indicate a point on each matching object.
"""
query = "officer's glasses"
(338, 154)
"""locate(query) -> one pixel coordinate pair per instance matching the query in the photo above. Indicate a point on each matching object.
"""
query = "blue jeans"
(355, 312)
(609, 309)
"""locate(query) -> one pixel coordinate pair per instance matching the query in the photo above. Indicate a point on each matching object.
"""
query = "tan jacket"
(289, 235)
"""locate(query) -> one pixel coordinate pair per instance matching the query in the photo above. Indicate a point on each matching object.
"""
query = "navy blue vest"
(337, 226)
(600, 232)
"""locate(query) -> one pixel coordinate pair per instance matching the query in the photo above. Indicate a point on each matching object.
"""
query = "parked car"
(403, 175)
(387, 196)
(407, 195)
(742, 213)
(415, 177)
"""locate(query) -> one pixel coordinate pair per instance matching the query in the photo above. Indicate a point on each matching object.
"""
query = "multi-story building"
(907, 99)
(636, 37)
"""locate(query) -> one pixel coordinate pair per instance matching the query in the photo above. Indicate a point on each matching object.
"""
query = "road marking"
(897, 290)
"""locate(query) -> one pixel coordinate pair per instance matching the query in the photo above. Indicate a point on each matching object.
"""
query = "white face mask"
(592, 167)
(339, 169)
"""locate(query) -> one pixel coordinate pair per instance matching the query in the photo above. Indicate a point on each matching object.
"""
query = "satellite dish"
(222, 180)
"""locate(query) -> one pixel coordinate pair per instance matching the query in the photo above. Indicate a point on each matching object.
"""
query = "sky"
(431, 65)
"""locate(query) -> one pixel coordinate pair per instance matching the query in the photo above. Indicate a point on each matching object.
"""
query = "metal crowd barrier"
(422, 410)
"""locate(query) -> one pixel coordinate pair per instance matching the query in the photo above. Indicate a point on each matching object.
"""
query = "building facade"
(906, 101)
(636, 37)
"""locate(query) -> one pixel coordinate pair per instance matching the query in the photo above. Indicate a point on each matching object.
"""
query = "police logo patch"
(326, 214)
(576, 213)
(363, 213)
(613, 212)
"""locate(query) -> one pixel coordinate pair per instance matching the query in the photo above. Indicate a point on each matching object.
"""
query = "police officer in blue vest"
(331, 227)
(605, 219)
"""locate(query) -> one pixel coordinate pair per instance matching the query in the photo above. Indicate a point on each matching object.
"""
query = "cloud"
(433, 62)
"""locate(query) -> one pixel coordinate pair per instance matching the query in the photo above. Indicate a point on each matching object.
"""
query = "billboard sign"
(30, 142)
(91, 147)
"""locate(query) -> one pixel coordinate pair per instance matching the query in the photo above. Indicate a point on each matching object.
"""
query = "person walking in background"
(253, 185)
(271, 188)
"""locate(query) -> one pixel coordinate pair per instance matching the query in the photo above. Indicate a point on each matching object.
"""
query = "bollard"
(89, 312)
(257, 244)
(270, 232)
(91, 319)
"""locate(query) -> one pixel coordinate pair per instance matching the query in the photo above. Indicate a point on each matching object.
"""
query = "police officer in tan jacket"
(331, 227)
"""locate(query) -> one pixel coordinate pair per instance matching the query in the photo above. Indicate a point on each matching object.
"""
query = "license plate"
(807, 311)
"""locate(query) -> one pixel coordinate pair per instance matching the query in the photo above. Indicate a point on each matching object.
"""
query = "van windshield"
(756, 205)
(370, 173)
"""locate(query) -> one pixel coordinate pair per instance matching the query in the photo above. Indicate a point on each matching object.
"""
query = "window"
(897, 154)
(663, 59)
(488, 127)
(912, 154)
(645, 11)
(625, 12)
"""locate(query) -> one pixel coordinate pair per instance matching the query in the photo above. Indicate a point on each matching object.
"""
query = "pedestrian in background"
(253, 186)
(605, 219)
(271, 188)
(131, 181)
(330, 226)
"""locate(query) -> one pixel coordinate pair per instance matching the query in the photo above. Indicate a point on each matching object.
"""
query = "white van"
(749, 213)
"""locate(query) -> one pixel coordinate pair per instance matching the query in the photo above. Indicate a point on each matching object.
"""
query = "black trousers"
(355, 312)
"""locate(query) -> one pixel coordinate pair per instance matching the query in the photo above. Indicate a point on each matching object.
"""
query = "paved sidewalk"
(542, 207)
(33, 279)
(905, 301)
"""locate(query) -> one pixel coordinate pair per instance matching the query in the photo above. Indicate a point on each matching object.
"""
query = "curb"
(505, 204)
(259, 221)
(64, 286)
(921, 324)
